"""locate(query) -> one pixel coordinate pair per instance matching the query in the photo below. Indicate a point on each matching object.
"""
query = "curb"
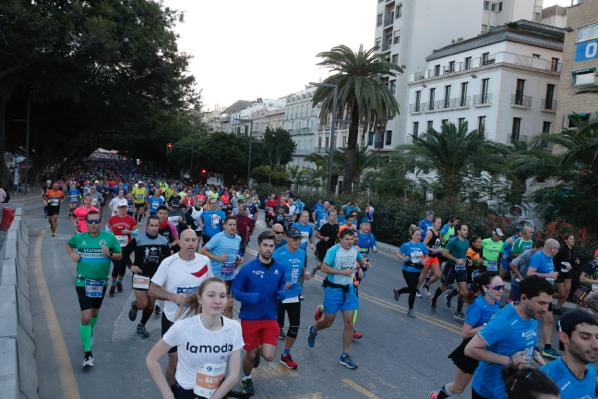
(18, 369)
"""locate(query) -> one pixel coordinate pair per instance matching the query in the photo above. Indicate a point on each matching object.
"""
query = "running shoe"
(141, 331)
(157, 311)
(433, 304)
(418, 293)
(319, 313)
(346, 361)
(433, 395)
(87, 361)
(550, 353)
(112, 290)
(311, 336)
(427, 290)
(281, 336)
(459, 316)
(357, 334)
(411, 313)
(119, 287)
(133, 311)
(288, 361)
(397, 294)
(247, 386)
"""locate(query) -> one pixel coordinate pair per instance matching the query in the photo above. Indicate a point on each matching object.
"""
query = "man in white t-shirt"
(117, 201)
(177, 277)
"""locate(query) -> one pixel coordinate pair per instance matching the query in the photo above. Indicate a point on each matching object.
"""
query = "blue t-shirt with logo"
(340, 258)
(224, 244)
(307, 231)
(212, 222)
(570, 386)
(541, 262)
(480, 312)
(416, 252)
(505, 334)
(74, 195)
(154, 204)
(365, 242)
(294, 266)
(425, 225)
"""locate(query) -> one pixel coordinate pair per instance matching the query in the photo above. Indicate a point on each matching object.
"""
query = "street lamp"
(332, 128)
(238, 120)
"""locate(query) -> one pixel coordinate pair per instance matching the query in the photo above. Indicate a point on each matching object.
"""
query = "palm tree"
(296, 174)
(363, 96)
(364, 159)
(452, 153)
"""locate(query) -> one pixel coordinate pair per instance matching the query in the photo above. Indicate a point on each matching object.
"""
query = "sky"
(245, 49)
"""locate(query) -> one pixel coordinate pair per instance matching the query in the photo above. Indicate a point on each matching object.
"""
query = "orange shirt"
(54, 197)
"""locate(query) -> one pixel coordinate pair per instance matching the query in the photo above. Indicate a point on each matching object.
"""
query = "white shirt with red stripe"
(178, 276)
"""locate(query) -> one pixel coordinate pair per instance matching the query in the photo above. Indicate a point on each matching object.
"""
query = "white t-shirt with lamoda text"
(203, 354)
(178, 276)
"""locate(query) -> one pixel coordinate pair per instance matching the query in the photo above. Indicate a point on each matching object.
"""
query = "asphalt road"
(398, 357)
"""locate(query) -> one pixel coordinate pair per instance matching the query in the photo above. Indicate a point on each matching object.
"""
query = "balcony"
(480, 100)
(461, 102)
(520, 101)
(386, 43)
(415, 108)
(548, 105)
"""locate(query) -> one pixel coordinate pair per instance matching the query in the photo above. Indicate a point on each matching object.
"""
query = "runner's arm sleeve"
(172, 337)
(494, 331)
(237, 289)
(72, 242)
(127, 251)
(473, 315)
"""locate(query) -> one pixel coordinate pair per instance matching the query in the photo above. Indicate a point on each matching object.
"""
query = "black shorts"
(53, 210)
(450, 275)
(89, 303)
(139, 206)
(463, 362)
(563, 276)
(182, 393)
(166, 324)
(205, 239)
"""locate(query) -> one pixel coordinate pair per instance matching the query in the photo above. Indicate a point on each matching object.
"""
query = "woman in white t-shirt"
(207, 343)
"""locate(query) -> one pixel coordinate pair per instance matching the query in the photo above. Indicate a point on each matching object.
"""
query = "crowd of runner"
(185, 246)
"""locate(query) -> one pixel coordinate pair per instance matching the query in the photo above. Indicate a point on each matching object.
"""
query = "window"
(493, 8)
(537, 17)
(481, 123)
(500, 6)
(418, 97)
(485, 58)
(327, 141)
(587, 33)
(395, 59)
(430, 125)
(431, 99)
(399, 12)
(388, 140)
(436, 70)
(468, 63)
(397, 37)
(378, 42)
(519, 91)
(378, 20)
(549, 96)
(371, 138)
(463, 98)
(447, 96)
(554, 64)
(415, 129)
(444, 122)
(461, 121)
(320, 142)
(486, 5)
(545, 127)
(393, 86)
(484, 91)
(584, 76)
(451, 66)
(515, 130)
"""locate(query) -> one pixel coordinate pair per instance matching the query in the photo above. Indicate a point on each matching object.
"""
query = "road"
(398, 357)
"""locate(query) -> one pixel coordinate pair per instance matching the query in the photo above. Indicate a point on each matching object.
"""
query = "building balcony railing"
(461, 102)
(386, 43)
(481, 100)
(502, 57)
(415, 108)
(521, 101)
(548, 105)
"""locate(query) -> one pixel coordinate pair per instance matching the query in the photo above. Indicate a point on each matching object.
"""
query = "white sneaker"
(87, 361)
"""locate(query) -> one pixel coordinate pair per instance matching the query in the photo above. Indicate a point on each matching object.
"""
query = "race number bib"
(459, 267)
(416, 256)
(294, 299)
(141, 282)
(215, 221)
(122, 240)
(492, 265)
(140, 197)
(208, 379)
(228, 269)
(94, 288)
(53, 202)
(94, 201)
(304, 238)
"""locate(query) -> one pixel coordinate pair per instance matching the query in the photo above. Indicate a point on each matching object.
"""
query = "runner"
(52, 197)
(193, 216)
(574, 372)
(223, 250)
(426, 223)
(339, 293)
(258, 286)
(79, 217)
(116, 201)
(587, 292)
(177, 278)
(491, 250)
(413, 254)
(306, 229)
(519, 268)
(74, 195)
(542, 265)
(474, 263)
(279, 240)
(208, 345)
(326, 235)
(140, 194)
(522, 243)
(294, 260)
(121, 226)
(490, 288)
(245, 226)
(565, 262)
(509, 338)
(154, 202)
(506, 256)
(529, 383)
(432, 241)
(150, 249)
(167, 229)
(211, 220)
(97, 199)
(448, 230)
(92, 251)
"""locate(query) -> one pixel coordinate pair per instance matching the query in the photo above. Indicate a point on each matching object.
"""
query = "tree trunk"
(349, 171)
(4, 97)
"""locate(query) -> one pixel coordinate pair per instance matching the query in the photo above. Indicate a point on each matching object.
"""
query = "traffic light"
(204, 172)
(169, 147)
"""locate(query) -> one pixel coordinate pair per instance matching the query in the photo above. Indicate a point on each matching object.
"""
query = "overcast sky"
(245, 49)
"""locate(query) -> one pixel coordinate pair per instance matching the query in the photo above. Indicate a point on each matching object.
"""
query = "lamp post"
(27, 122)
(240, 120)
(332, 128)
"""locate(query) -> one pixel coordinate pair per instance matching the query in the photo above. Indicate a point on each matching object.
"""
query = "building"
(301, 120)
(260, 113)
(426, 26)
(580, 64)
(503, 82)
(267, 119)
(555, 16)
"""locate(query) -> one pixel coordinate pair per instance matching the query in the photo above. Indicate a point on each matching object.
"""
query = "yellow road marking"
(365, 392)
(316, 395)
(65, 368)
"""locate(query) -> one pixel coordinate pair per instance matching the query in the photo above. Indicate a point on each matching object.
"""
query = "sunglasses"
(497, 287)
(278, 232)
(93, 221)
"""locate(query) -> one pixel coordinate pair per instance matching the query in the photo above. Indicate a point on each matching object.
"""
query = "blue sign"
(586, 51)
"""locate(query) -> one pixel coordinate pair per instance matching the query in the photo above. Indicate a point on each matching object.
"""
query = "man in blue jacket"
(258, 286)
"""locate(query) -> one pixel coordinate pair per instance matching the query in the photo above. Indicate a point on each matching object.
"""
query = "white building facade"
(301, 120)
(426, 25)
(504, 82)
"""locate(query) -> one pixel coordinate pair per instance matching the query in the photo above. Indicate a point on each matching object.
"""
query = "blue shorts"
(505, 263)
(336, 299)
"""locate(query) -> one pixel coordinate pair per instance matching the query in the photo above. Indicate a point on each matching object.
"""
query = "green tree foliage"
(278, 146)
(363, 96)
(276, 175)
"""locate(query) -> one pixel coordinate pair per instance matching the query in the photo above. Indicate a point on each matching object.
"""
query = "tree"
(271, 174)
(388, 177)
(364, 159)
(361, 78)
(452, 153)
(278, 146)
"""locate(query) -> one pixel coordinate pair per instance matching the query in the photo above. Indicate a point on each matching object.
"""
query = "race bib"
(140, 197)
(304, 237)
(122, 240)
(208, 379)
(94, 288)
(94, 201)
(155, 205)
(416, 256)
(228, 269)
(141, 282)
(291, 300)
(491, 265)
(54, 202)
(459, 267)
(215, 221)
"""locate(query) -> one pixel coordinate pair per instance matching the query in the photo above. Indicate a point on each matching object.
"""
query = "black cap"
(293, 232)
